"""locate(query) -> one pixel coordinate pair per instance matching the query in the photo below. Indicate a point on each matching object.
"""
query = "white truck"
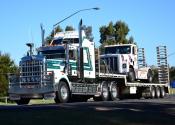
(123, 59)
(71, 69)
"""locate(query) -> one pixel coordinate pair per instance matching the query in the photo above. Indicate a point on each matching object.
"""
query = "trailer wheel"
(152, 92)
(105, 92)
(23, 101)
(131, 75)
(113, 91)
(162, 92)
(149, 76)
(157, 91)
(63, 93)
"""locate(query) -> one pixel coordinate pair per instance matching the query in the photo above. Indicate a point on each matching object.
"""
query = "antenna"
(42, 34)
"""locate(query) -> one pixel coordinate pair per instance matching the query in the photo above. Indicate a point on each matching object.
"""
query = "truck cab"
(123, 59)
(53, 68)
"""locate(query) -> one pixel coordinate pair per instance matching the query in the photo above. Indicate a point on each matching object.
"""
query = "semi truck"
(70, 68)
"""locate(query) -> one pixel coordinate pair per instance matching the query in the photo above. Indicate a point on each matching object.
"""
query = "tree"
(69, 28)
(6, 66)
(131, 40)
(102, 34)
(115, 33)
(51, 35)
(172, 73)
(88, 32)
(121, 31)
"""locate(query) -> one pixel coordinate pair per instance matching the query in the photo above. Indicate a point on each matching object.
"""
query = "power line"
(171, 54)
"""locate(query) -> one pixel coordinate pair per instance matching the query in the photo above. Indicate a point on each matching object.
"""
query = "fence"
(5, 98)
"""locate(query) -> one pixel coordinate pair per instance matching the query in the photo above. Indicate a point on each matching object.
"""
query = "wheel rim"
(162, 92)
(105, 91)
(114, 91)
(152, 93)
(64, 92)
(158, 92)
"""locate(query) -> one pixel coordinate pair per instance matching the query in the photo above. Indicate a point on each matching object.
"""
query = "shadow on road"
(91, 113)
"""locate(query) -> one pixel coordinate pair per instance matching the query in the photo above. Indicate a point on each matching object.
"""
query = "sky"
(151, 22)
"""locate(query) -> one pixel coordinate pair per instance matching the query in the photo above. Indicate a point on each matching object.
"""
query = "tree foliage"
(115, 33)
(87, 29)
(88, 32)
(69, 28)
(6, 66)
(49, 38)
(171, 74)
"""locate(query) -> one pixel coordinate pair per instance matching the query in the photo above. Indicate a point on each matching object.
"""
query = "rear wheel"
(152, 92)
(113, 91)
(131, 75)
(157, 90)
(23, 101)
(104, 92)
(162, 92)
(63, 93)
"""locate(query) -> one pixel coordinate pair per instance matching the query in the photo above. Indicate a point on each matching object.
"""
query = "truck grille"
(31, 71)
(112, 64)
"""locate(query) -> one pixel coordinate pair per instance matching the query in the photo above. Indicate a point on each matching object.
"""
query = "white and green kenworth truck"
(70, 68)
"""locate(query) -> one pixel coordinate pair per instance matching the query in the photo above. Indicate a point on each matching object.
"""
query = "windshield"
(118, 50)
(64, 41)
(54, 54)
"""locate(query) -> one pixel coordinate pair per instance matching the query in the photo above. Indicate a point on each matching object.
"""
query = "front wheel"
(114, 92)
(149, 76)
(131, 75)
(63, 93)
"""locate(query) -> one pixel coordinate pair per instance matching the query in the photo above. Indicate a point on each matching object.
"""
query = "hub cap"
(114, 92)
(105, 92)
(64, 92)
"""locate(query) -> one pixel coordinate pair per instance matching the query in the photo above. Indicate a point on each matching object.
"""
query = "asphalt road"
(123, 112)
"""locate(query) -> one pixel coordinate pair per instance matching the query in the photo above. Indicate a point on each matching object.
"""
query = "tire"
(113, 91)
(157, 91)
(162, 92)
(63, 93)
(104, 92)
(150, 76)
(23, 101)
(131, 75)
(152, 92)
